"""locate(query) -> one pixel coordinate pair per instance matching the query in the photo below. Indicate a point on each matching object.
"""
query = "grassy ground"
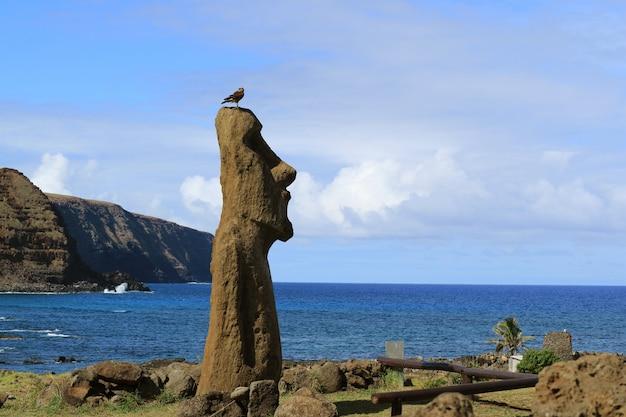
(37, 395)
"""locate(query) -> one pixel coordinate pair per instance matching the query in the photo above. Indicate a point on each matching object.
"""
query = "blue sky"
(436, 141)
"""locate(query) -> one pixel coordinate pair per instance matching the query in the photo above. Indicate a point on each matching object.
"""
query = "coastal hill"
(149, 249)
(36, 254)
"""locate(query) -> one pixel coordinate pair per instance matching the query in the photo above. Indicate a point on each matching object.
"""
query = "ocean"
(317, 321)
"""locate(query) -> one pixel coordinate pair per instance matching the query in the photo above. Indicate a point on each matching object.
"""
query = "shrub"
(535, 360)
(435, 383)
(391, 379)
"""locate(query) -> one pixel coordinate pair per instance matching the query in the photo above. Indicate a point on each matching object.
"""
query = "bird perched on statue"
(234, 97)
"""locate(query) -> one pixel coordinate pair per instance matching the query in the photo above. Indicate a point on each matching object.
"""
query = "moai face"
(275, 196)
(254, 179)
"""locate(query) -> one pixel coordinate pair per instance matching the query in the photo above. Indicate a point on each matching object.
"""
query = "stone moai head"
(254, 179)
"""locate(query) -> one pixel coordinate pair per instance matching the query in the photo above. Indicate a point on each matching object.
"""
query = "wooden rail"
(507, 381)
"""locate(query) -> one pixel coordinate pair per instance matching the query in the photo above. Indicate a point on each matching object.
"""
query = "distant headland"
(54, 243)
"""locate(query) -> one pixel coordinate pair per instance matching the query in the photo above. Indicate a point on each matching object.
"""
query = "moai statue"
(243, 344)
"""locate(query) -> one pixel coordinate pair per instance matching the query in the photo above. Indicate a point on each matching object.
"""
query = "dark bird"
(234, 97)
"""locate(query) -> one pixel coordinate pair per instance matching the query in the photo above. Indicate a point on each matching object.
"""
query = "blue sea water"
(333, 321)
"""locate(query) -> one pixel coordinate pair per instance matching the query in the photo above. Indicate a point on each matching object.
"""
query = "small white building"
(514, 360)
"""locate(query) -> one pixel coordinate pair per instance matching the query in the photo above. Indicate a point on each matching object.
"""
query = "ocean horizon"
(335, 321)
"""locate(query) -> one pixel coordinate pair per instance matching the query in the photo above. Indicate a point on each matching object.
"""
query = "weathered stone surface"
(207, 404)
(560, 343)
(329, 377)
(36, 253)
(295, 378)
(76, 395)
(240, 394)
(592, 386)
(110, 238)
(447, 405)
(3, 398)
(82, 383)
(118, 372)
(263, 398)
(306, 403)
(182, 379)
(243, 344)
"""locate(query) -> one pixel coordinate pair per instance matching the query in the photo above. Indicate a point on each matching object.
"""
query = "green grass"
(39, 395)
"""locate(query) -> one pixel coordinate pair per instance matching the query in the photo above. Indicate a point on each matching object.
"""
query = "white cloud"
(200, 195)
(382, 196)
(52, 174)
(557, 158)
(569, 203)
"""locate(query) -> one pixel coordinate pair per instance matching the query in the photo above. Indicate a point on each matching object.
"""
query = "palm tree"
(510, 337)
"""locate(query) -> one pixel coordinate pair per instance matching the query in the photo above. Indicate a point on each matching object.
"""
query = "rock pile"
(328, 377)
(560, 343)
(110, 381)
(260, 399)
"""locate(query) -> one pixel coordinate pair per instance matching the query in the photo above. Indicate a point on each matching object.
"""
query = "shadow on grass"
(501, 404)
(348, 407)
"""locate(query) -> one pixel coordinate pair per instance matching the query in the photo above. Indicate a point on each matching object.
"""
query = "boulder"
(329, 377)
(447, 405)
(81, 384)
(240, 394)
(592, 386)
(76, 395)
(122, 373)
(207, 404)
(181, 379)
(306, 403)
(295, 378)
(263, 398)
(147, 388)
(3, 398)
(243, 343)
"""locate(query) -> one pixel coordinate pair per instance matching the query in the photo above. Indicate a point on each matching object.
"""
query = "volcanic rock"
(447, 405)
(263, 398)
(206, 405)
(295, 378)
(306, 403)
(122, 373)
(592, 386)
(329, 377)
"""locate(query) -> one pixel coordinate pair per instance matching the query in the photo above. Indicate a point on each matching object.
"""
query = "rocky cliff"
(36, 254)
(150, 249)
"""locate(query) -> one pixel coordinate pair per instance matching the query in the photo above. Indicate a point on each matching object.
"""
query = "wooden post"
(396, 407)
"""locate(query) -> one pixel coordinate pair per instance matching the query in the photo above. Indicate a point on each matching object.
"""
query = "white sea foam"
(120, 311)
(120, 289)
(39, 293)
(57, 335)
(198, 283)
(5, 348)
(30, 331)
